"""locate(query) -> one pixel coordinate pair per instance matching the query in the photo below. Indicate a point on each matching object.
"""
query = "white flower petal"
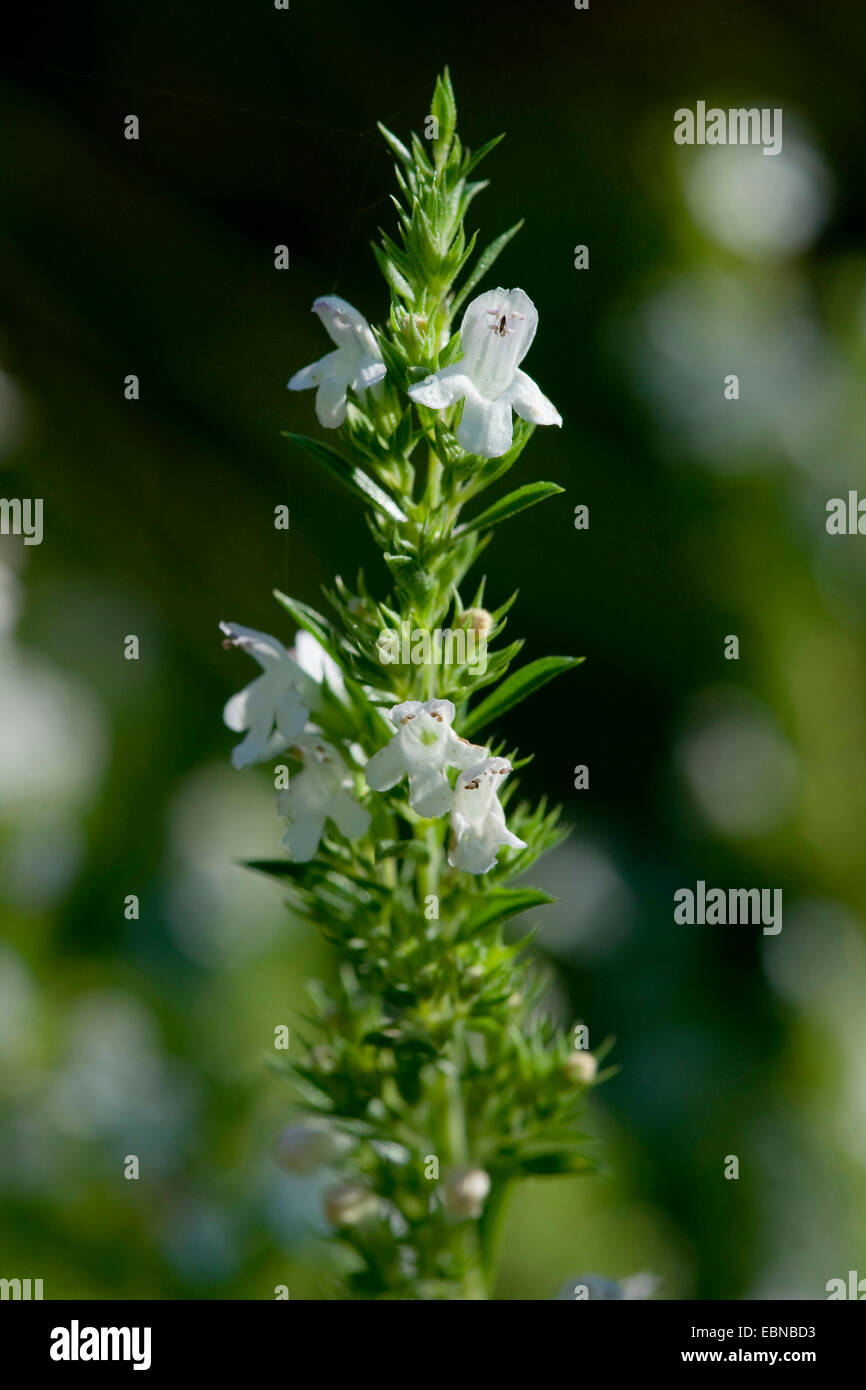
(316, 794)
(254, 747)
(530, 403)
(350, 817)
(429, 792)
(486, 428)
(369, 373)
(423, 746)
(470, 853)
(478, 826)
(236, 715)
(443, 389)
(463, 754)
(264, 648)
(315, 662)
(386, 767)
(343, 323)
(401, 714)
(290, 715)
(358, 350)
(507, 837)
(308, 377)
(331, 402)
(304, 833)
(496, 334)
(356, 362)
(283, 696)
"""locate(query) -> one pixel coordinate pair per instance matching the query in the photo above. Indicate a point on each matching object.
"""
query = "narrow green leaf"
(444, 108)
(484, 263)
(472, 160)
(314, 623)
(509, 506)
(400, 849)
(499, 905)
(396, 145)
(516, 688)
(352, 477)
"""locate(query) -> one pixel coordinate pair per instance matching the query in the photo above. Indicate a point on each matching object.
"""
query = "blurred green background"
(706, 519)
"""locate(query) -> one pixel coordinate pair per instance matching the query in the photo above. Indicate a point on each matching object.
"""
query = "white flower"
(319, 792)
(581, 1066)
(496, 334)
(315, 661)
(301, 1148)
(477, 820)
(350, 1204)
(275, 707)
(466, 1191)
(355, 364)
(423, 746)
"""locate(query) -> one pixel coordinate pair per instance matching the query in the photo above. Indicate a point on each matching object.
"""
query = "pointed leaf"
(500, 905)
(516, 688)
(314, 623)
(396, 145)
(509, 506)
(472, 160)
(349, 474)
(484, 263)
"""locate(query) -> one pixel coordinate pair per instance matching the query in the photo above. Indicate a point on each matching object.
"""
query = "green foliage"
(432, 1043)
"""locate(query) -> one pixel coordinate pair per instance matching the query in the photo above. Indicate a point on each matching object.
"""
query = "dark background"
(155, 257)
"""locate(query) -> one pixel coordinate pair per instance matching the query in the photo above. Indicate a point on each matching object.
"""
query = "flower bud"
(466, 1191)
(472, 979)
(349, 1204)
(322, 1057)
(479, 620)
(581, 1066)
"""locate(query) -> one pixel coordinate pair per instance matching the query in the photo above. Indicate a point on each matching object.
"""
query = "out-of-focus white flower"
(301, 1148)
(350, 1203)
(763, 209)
(496, 334)
(477, 820)
(423, 746)
(275, 707)
(354, 365)
(466, 1191)
(581, 1066)
(316, 663)
(319, 792)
